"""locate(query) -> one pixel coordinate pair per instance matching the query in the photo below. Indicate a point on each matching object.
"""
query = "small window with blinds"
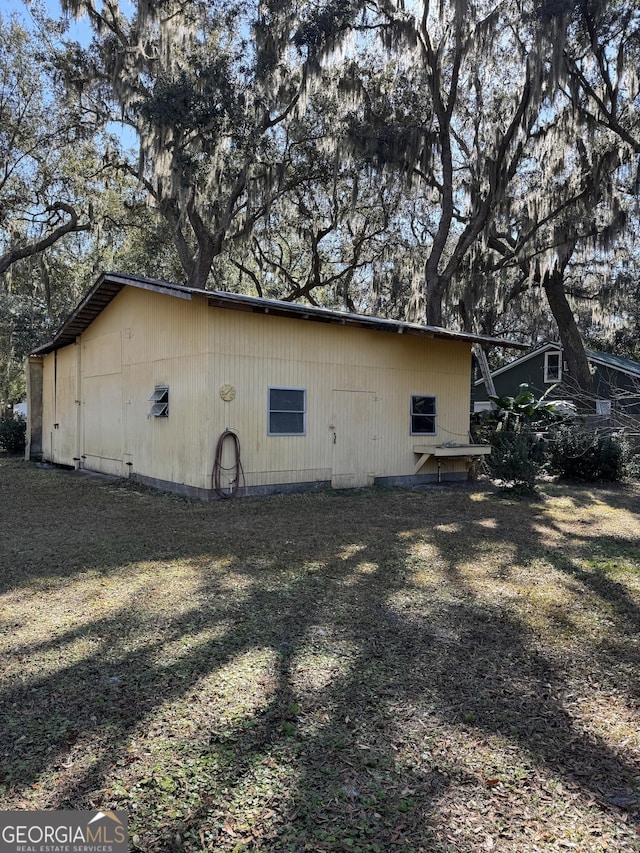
(287, 411)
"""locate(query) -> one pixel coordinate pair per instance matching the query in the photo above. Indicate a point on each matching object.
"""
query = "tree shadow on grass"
(74, 701)
(620, 495)
(361, 778)
(378, 696)
(528, 532)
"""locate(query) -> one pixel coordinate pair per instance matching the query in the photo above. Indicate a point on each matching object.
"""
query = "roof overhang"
(608, 360)
(109, 285)
(615, 362)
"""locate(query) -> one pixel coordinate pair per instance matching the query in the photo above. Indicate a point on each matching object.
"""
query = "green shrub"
(633, 467)
(13, 433)
(579, 453)
(513, 429)
(516, 459)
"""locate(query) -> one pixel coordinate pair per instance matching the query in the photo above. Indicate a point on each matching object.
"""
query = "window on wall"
(423, 415)
(552, 367)
(160, 400)
(287, 411)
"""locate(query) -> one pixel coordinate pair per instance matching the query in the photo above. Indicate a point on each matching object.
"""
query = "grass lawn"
(445, 670)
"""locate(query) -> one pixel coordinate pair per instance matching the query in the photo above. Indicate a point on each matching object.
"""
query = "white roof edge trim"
(521, 360)
(629, 372)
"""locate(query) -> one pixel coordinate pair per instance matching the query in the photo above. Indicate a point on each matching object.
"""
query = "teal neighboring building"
(616, 380)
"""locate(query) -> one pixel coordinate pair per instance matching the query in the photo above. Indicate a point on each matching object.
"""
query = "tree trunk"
(203, 263)
(208, 248)
(435, 286)
(5, 384)
(574, 354)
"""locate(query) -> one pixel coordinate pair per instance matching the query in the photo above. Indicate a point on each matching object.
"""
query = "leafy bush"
(633, 466)
(579, 453)
(524, 411)
(513, 429)
(13, 432)
(516, 459)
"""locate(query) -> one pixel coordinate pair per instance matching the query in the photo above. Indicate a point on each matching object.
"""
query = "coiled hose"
(234, 474)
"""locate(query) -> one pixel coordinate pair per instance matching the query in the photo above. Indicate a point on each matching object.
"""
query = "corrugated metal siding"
(48, 406)
(143, 339)
(162, 342)
(322, 359)
(59, 407)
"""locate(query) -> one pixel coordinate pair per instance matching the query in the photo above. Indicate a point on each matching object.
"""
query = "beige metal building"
(203, 391)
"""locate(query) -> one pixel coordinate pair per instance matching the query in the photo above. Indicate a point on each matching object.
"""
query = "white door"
(353, 439)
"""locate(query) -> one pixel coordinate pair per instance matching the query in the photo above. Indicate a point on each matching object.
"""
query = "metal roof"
(615, 362)
(109, 285)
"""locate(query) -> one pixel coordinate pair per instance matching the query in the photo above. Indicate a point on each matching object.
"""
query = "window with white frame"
(160, 400)
(287, 411)
(552, 367)
(423, 415)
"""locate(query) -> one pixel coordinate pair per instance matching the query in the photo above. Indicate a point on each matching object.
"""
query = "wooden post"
(34, 369)
(481, 356)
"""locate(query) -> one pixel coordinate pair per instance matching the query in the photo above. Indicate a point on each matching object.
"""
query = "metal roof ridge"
(121, 280)
(320, 310)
